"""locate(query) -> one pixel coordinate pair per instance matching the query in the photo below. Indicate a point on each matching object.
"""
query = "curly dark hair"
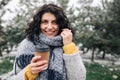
(34, 26)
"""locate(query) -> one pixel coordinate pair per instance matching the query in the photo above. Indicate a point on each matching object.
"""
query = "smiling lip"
(50, 32)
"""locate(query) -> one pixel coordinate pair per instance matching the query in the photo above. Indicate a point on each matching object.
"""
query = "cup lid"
(42, 48)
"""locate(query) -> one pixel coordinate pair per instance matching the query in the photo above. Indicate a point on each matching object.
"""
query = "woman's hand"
(67, 36)
(37, 66)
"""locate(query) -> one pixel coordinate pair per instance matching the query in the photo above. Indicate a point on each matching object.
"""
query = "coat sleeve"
(23, 57)
(75, 67)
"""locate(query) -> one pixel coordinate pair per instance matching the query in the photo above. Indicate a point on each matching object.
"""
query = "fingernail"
(45, 68)
(39, 56)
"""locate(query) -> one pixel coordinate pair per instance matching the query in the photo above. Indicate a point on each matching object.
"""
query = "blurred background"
(97, 33)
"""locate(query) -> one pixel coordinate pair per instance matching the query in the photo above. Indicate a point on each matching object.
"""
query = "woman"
(51, 27)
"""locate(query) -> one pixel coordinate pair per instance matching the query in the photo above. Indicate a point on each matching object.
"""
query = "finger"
(36, 58)
(67, 33)
(63, 32)
(40, 68)
(36, 70)
(66, 29)
(62, 35)
(36, 64)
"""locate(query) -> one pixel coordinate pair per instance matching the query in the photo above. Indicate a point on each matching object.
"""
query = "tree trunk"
(92, 58)
(0, 52)
(103, 56)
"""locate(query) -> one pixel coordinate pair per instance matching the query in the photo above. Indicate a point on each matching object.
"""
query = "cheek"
(57, 28)
(42, 27)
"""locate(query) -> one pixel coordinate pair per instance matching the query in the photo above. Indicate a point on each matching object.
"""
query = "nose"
(49, 26)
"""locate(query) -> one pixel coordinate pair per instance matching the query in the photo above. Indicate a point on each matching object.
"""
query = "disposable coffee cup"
(43, 51)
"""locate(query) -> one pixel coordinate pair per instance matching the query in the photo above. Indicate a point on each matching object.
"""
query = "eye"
(54, 22)
(44, 21)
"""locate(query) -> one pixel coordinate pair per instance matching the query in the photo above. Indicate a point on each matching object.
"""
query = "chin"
(50, 36)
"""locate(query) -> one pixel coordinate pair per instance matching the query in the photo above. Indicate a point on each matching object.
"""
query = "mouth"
(50, 32)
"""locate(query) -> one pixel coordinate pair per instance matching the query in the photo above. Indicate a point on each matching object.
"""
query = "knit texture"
(73, 63)
(75, 67)
(29, 75)
(56, 68)
(70, 48)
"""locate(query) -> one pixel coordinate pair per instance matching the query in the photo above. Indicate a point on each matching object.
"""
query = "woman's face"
(48, 25)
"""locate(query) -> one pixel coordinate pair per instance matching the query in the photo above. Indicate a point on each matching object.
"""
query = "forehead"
(48, 16)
